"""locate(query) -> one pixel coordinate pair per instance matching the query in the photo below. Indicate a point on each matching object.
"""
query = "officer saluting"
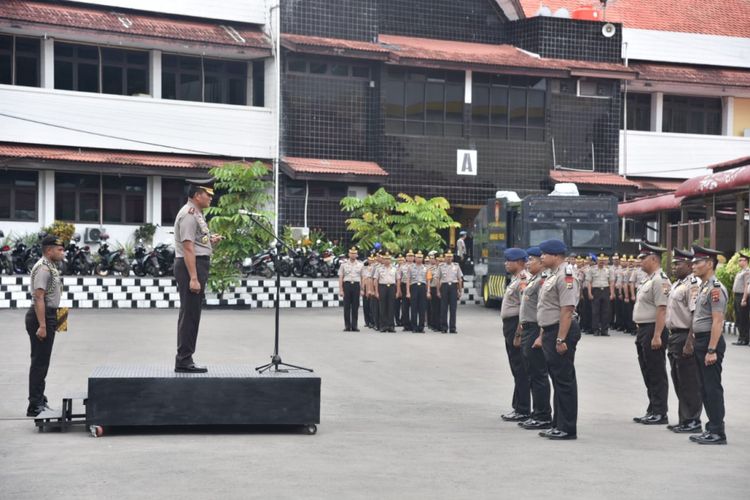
(193, 247)
(350, 288)
(708, 323)
(449, 290)
(649, 313)
(560, 335)
(685, 376)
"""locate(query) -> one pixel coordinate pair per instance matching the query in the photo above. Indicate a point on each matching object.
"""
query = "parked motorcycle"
(6, 260)
(144, 261)
(260, 264)
(78, 260)
(111, 261)
(24, 258)
(165, 256)
(285, 264)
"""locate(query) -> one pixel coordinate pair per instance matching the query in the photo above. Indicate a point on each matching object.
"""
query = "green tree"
(418, 220)
(243, 187)
(370, 219)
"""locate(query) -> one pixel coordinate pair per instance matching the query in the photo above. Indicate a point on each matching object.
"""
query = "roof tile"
(592, 178)
(703, 75)
(338, 167)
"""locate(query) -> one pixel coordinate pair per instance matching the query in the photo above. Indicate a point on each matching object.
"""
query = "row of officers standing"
(682, 321)
(412, 293)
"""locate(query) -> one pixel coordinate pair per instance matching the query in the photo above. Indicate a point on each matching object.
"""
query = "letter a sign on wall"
(466, 162)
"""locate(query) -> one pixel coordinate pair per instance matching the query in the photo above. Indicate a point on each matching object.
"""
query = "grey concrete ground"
(403, 416)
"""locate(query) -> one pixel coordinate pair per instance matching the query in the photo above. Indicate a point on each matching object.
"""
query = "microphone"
(242, 211)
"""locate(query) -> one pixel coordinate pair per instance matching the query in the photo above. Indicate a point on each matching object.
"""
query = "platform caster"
(311, 429)
(96, 431)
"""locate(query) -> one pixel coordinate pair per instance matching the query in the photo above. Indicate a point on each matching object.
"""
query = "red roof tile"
(727, 17)
(737, 162)
(131, 23)
(15, 150)
(657, 184)
(592, 178)
(334, 167)
(725, 77)
(294, 42)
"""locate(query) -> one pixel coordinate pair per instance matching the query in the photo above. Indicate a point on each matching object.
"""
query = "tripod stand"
(275, 357)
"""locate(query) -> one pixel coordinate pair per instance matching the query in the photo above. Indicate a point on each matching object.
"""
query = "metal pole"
(276, 34)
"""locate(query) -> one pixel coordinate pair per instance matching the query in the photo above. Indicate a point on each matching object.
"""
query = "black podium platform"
(137, 395)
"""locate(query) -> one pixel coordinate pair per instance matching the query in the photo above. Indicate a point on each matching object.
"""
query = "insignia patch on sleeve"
(666, 288)
(715, 295)
(569, 282)
(191, 211)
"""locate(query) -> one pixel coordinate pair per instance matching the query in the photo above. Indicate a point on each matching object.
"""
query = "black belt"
(644, 324)
(702, 334)
(386, 284)
(197, 257)
(679, 330)
(524, 323)
(418, 284)
(600, 287)
(352, 282)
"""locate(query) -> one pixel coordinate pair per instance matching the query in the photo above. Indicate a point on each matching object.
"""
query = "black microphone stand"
(275, 357)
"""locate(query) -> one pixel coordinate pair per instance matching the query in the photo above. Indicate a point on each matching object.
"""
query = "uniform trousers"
(418, 302)
(351, 304)
(41, 353)
(522, 385)
(405, 309)
(742, 317)
(712, 390)
(448, 304)
(536, 367)
(653, 363)
(387, 302)
(685, 377)
(585, 312)
(191, 303)
(562, 372)
(366, 310)
(434, 309)
(600, 309)
(375, 311)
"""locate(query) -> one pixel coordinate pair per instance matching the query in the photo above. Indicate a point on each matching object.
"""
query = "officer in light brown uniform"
(417, 289)
(385, 291)
(685, 376)
(193, 244)
(649, 314)
(374, 302)
(555, 315)
(433, 301)
(741, 308)
(402, 290)
(600, 284)
(515, 263)
(350, 289)
(450, 288)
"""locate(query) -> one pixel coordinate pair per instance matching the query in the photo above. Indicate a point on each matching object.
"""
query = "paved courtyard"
(403, 416)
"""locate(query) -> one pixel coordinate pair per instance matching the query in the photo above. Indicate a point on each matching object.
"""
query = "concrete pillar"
(739, 220)
(727, 115)
(657, 111)
(154, 66)
(153, 200)
(47, 63)
(468, 82)
(46, 197)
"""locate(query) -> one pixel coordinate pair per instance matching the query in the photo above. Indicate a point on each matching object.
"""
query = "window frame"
(12, 196)
(203, 73)
(689, 107)
(101, 194)
(635, 108)
(329, 63)
(14, 60)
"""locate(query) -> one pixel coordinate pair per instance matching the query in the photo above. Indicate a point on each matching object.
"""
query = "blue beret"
(553, 247)
(534, 252)
(515, 254)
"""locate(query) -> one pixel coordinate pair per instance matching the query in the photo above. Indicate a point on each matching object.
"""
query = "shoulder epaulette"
(569, 270)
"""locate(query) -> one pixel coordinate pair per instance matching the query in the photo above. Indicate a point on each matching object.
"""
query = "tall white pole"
(276, 34)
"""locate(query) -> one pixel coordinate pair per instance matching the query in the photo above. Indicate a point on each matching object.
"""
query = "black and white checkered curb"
(161, 293)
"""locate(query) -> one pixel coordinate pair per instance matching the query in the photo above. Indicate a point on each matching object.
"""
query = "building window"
(18, 195)
(328, 68)
(315, 190)
(639, 111)
(508, 107)
(82, 198)
(19, 60)
(692, 115)
(259, 83)
(173, 197)
(87, 68)
(428, 102)
(204, 80)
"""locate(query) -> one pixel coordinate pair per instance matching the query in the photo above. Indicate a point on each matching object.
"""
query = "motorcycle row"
(79, 261)
(302, 261)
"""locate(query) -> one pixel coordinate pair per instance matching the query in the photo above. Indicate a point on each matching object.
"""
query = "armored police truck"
(585, 223)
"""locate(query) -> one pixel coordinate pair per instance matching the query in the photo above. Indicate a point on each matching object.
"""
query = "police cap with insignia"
(702, 253)
(206, 185)
(419, 254)
(553, 247)
(449, 254)
(515, 254)
(410, 253)
(535, 252)
(52, 241)
(679, 255)
(647, 249)
(353, 250)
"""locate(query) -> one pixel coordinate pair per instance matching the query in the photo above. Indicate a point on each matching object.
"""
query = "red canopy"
(649, 205)
(728, 180)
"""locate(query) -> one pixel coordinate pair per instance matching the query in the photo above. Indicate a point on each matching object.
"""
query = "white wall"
(149, 124)
(678, 156)
(248, 11)
(686, 48)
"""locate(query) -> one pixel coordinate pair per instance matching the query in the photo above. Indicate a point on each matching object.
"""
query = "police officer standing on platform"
(449, 290)
(515, 264)
(709, 346)
(41, 319)
(417, 290)
(741, 308)
(558, 299)
(533, 357)
(350, 289)
(193, 247)
(649, 314)
(685, 376)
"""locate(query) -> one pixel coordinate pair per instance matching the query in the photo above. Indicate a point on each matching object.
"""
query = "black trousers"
(375, 311)
(685, 378)
(190, 308)
(418, 301)
(448, 304)
(397, 308)
(387, 302)
(742, 317)
(620, 311)
(351, 304)
(653, 365)
(712, 390)
(433, 308)
(562, 371)
(628, 309)
(521, 385)
(536, 367)
(366, 310)
(41, 353)
(585, 312)
(600, 309)
(405, 309)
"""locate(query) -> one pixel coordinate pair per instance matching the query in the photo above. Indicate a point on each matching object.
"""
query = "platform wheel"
(96, 431)
(311, 429)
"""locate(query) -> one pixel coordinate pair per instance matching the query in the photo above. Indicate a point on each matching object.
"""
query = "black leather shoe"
(34, 411)
(604, 334)
(347, 329)
(639, 420)
(453, 331)
(514, 416)
(190, 369)
(355, 329)
(709, 438)
(688, 428)
(546, 433)
(533, 425)
(559, 435)
(739, 342)
(655, 420)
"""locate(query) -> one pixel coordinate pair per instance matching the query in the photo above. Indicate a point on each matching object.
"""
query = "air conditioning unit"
(93, 234)
(359, 192)
(594, 89)
(299, 233)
